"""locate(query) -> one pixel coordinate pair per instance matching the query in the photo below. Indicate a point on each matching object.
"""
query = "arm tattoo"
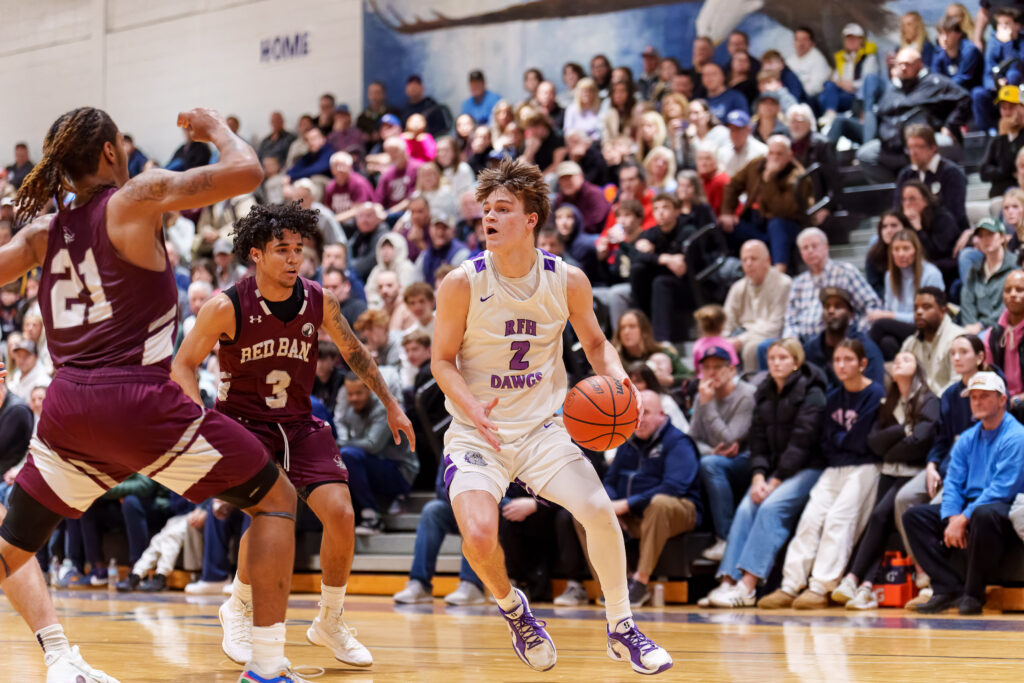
(353, 351)
(160, 186)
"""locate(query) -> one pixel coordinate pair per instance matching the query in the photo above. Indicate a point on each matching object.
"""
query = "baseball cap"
(991, 224)
(390, 120)
(342, 109)
(7, 201)
(441, 217)
(827, 292)
(568, 168)
(222, 246)
(1009, 93)
(715, 352)
(768, 95)
(853, 29)
(984, 381)
(26, 345)
(649, 51)
(738, 118)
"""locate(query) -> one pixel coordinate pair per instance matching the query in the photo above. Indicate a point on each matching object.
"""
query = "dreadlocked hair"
(521, 179)
(71, 150)
(264, 223)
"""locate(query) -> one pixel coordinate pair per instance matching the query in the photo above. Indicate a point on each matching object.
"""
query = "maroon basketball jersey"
(98, 309)
(267, 373)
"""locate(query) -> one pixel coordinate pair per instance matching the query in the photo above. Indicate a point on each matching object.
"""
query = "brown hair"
(647, 340)
(896, 274)
(417, 337)
(418, 289)
(710, 320)
(523, 180)
(373, 317)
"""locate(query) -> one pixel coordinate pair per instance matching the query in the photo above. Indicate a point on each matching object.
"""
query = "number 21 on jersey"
(64, 292)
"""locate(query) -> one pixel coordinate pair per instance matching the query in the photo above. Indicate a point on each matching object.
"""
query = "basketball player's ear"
(531, 221)
(255, 254)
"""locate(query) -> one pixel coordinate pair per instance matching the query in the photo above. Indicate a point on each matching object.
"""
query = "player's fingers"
(184, 119)
(490, 406)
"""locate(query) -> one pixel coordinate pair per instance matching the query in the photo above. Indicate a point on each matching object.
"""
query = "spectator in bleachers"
(616, 250)
(652, 134)
(316, 161)
(803, 308)
(660, 169)
(572, 73)
(398, 181)
(633, 185)
(547, 103)
(330, 377)
(384, 345)
(572, 245)
(756, 304)
(391, 256)
(908, 272)
(587, 153)
(376, 108)
(588, 198)
(442, 248)
(945, 179)
(161, 554)
(1000, 164)
(902, 437)
(719, 426)
(343, 136)
(980, 298)
(419, 102)
(766, 121)
(721, 99)
(710, 321)
(584, 112)
(28, 372)
(837, 320)
(1004, 341)
(934, 337)
(809, 148)
(347, 188)
(325, 117)
(17, 171)
(776, 77)
(986, 472)
(277, 143)
(417, 310)
(455, 173)
(644, 378)
(659, 269)
(704, 130)
(777, 201)
(414, 225)
(655, 498)
(308, 193)
(712, 179)
(501, 116)
(694, 208)
(935, 225)
(419, 143)
(957, 57)
(339, 283)
(913, 33)
(377, 468)
(668, 69)
(857, 59)
(840, 501)
(543, 143)
(702, 53)
(388, 297)
(17, 423)
(634, 340)
(742, 147)
(617, 117)
(298, 146)
(959, 12)
(601, 72)
(362, 245)
(438, 195)
(649, 76)
(742, 77)
(222, 523)
(1001, 51)
(785, 460)
(808, 63)
(189, 155)
(136, 159)
(968, 357)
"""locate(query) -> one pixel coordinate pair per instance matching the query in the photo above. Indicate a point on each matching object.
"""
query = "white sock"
(510, 602)
(268, 649)
(241, 591)
(52, 639)
(331, 598)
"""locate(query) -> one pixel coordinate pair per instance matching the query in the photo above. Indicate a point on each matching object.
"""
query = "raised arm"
(216, 319)
(359, 361)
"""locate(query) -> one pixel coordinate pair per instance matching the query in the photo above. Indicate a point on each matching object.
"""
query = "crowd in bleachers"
(825, 401)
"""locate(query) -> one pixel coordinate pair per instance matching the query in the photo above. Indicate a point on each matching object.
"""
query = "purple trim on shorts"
(480, 264)
(521, 484)
(449, 473)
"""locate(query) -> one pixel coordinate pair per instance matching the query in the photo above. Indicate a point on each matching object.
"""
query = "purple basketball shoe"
(531, 642)
(626, 643)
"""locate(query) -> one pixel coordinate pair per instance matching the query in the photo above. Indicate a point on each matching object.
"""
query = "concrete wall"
(145, 61)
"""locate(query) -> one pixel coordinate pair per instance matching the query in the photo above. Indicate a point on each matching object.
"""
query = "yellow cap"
(1009, 93)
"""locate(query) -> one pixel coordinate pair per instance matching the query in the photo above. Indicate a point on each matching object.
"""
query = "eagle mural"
(715, 19)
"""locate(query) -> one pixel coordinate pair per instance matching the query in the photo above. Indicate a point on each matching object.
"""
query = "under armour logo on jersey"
(255, 318)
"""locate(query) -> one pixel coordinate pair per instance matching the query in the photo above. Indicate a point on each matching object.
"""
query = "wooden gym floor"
(165, 637)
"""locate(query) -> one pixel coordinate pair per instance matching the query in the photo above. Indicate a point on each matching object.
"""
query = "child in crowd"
(710, 324)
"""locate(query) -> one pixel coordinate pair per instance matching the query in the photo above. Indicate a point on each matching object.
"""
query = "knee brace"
(283, 515)
(28, 523)
(244, 496)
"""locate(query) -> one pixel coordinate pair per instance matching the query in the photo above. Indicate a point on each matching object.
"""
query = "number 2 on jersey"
(519, 361)
(280, 381)
(67, 314)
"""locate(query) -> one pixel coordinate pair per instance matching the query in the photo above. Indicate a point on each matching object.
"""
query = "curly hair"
(71, 150)
(264, 223)
(523, 180)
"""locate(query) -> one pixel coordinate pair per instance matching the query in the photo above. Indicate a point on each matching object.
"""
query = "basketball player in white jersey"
(497, 355)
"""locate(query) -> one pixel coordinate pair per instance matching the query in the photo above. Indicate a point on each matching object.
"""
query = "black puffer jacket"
(786, 432)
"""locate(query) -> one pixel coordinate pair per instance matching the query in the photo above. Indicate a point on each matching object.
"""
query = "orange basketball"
(600, 413)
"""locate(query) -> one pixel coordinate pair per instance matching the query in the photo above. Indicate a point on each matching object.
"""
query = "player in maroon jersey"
(267, 328)
(109, 306)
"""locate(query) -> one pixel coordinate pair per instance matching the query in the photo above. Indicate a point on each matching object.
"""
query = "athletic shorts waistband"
(121, 374)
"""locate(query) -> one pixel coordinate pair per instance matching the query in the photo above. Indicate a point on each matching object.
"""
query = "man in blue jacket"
(654, 487)
(986, 472)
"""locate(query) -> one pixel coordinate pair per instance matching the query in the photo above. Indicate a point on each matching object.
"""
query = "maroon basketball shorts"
(305, 449)
(98, 427)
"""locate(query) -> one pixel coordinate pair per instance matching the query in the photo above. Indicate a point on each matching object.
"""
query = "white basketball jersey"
(512, 349)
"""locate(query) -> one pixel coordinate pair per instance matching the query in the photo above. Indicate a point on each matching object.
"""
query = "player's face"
(281, 259)
(506, 222)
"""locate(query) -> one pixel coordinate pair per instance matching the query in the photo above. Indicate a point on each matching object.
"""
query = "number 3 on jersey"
(280, 381)
(67, 314)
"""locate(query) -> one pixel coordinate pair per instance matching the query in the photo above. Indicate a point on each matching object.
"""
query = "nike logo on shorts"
(485, 298)
(548, 425)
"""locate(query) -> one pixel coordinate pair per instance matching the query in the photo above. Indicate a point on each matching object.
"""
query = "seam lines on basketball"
(615, 416)
(582, 393)
(585, 422)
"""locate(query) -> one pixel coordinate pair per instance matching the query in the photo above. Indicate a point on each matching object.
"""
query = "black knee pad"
(244, 496)
(28, 523)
